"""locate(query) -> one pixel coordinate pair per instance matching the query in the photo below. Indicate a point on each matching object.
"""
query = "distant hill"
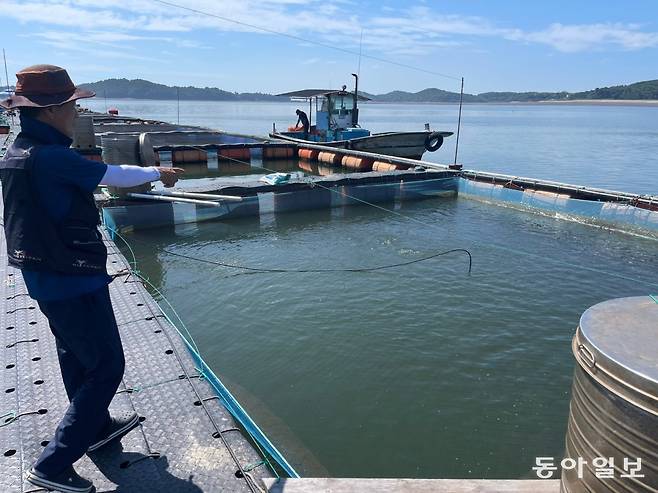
(640, 90)
(143, 89)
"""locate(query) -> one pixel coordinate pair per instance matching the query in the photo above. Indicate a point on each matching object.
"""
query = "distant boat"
(337, 125)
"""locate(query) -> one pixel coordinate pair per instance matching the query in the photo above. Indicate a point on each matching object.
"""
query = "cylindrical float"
(384, 166)
(234, 153)
(612, 435)
(357, 163)
(277, 152)
(310, 154)
(329, 158)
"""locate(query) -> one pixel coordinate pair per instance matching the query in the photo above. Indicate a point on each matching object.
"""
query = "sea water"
(421, 370)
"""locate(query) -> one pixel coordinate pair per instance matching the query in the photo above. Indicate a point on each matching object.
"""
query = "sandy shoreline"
(603, 102)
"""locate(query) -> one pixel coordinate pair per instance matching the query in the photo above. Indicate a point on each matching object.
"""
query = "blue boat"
(337, 125)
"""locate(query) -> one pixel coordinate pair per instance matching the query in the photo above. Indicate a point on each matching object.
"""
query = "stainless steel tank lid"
(617, 344)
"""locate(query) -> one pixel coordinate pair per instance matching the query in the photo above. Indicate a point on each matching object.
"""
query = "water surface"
(420, 371)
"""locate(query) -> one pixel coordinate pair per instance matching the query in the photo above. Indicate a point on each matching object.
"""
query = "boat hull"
(410, 145)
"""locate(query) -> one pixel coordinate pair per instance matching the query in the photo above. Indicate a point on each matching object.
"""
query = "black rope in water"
(257, 270)
(355, 269)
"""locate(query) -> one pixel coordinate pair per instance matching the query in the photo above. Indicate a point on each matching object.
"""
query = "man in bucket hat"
(50, 221)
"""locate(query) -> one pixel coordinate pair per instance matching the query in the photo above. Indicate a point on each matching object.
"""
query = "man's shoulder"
(20, 148)
(48, 151)
(58, 163)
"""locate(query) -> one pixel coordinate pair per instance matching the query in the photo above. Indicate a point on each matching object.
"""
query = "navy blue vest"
(34, 240)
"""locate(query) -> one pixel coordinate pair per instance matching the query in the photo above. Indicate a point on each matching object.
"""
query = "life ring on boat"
(433, 141)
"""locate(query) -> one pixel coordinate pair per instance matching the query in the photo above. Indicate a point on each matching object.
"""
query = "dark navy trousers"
(92, 363)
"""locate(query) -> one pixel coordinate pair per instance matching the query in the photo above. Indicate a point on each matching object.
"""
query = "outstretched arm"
(67, 166)
(125, 175)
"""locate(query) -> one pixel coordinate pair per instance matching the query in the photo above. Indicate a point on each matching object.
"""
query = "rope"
(7, 418)
(11, 416)
(9, 346)
(257, 270)
(164, 298)
(654, 297)
(355, 269)
(141, 388)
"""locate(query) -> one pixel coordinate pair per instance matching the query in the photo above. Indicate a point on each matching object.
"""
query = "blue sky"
(495, 45)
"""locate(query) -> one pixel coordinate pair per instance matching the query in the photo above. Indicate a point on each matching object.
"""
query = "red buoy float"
(310, 154)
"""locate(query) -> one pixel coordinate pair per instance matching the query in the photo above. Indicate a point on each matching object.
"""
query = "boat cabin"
(336, 115)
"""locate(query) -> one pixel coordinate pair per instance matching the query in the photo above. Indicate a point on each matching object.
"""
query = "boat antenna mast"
(355, 109)
(459, 120)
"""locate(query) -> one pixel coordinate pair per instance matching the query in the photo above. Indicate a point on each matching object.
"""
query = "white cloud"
(573, 38)
(414, 30)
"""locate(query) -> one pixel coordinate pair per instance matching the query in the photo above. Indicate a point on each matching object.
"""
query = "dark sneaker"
(67, 481)
(117, 428)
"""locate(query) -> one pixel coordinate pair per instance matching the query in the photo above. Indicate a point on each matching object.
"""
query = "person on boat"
(50, 222)
(303, 119)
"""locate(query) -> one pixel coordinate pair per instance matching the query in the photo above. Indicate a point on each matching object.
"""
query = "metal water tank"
(612, 435)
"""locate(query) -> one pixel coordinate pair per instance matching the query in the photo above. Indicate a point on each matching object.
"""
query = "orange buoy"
(310, 154)
(240, 153)
(382, 166)
(190, 156)
(278, 152)
(358, 163)
(329, 158)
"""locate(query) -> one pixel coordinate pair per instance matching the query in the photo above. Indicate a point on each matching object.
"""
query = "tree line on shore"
(143, 89)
